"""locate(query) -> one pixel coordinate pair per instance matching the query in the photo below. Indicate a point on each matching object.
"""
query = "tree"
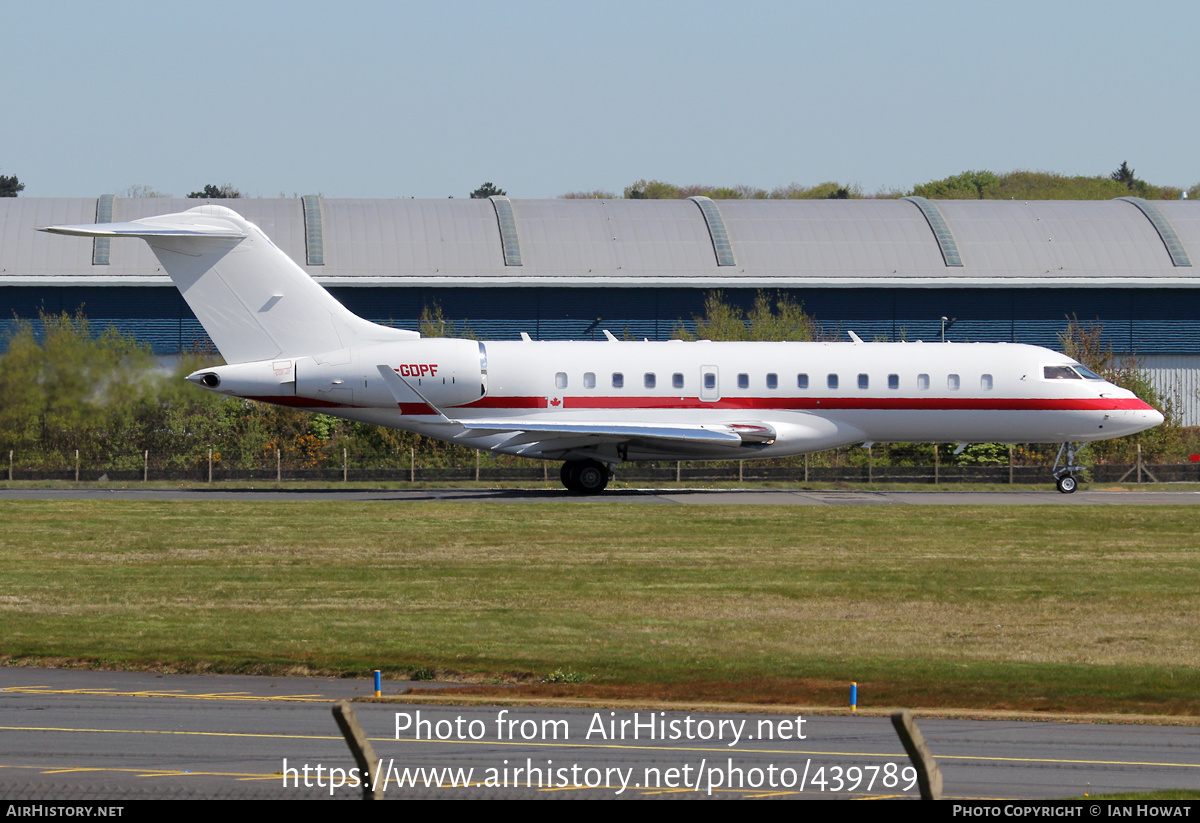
(485, 191)
(652, 190)
(433, 323)
(139, 190)
(1125, 176)
(211, 192)
(970, 185)
(1086, 342)
(594, 194)
(9, 185)
(774, 317)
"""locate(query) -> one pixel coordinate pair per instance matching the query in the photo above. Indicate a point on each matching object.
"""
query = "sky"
(431, 99)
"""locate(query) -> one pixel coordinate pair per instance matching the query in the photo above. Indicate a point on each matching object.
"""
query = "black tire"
(585, 476)
(1067, 484)
(591, 477)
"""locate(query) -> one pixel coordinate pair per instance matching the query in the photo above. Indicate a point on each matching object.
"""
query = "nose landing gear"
(1064, 478)
(585, 476)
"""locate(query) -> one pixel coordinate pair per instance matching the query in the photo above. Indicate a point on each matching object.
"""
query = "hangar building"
(568, 269)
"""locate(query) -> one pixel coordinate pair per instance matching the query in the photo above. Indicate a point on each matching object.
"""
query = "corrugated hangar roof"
(695, 242)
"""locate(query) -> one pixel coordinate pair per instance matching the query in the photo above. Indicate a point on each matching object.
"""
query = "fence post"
(477, 467)
(935, 464)
(1010, 471)
(1139, 462)
(278, 467)
(412, 465)
(741, 463)
(10, 454)
(361, 749)
(345, 469)
(678, 468)
(870, 464)
(77, 465)
(929, 776)
(805, 468)
(210, 464)
(146, 465)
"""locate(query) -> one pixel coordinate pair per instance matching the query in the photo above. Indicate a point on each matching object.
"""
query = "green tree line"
(64, 386)
(979, 184)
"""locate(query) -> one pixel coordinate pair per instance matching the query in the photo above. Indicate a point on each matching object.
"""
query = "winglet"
(854, 337)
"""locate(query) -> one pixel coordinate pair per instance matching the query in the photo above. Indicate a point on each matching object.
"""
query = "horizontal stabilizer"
(140, 229)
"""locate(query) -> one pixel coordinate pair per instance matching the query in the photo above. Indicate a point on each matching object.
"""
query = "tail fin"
(252, 299)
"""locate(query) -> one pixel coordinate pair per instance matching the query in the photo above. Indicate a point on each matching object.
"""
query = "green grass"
(1044, 608)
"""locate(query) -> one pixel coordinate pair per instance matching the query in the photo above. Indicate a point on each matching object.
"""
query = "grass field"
(1046, 608)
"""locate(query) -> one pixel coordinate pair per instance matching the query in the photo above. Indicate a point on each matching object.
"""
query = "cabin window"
(923, 382)
(560, 380)
(831, 381)
(618, 380)
(952, 382)
(802, 381)
(710, 380)
(677, 380)
(589, 380)
(648, 380)
(893, 381)
(864, 382)
(743, 381)
(985, 382)
(1059, 373)
(772, 381)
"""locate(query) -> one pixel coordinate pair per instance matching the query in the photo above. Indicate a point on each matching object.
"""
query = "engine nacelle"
(264, 378)
(447, 372)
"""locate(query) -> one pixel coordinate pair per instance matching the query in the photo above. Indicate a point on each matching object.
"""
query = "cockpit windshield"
(1059, 373)
(1075, 372)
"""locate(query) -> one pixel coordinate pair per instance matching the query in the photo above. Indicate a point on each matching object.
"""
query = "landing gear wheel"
(1066, 484)
(585, 476)
(569, 475)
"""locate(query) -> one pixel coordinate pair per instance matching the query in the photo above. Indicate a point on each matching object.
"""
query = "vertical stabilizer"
(252, 299)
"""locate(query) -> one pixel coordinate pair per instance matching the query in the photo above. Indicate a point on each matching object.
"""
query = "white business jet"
(596, 404)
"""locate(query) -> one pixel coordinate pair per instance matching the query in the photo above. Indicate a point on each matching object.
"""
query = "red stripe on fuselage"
(825, 403)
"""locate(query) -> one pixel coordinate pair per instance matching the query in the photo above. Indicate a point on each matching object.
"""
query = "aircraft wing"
(574, 434)
(606, 431)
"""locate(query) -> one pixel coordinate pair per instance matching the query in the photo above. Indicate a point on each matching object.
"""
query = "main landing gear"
(585, 476)
(1064, 478)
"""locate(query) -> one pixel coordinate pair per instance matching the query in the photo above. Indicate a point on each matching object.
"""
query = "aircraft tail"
(252, 299)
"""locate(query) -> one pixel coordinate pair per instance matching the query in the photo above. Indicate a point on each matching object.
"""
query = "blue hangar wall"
(1141, 321)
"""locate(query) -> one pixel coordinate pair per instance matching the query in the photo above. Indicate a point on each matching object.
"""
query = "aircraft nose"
(1139, 420)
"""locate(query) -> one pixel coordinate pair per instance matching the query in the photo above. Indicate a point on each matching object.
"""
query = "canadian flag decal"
(556, 402)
